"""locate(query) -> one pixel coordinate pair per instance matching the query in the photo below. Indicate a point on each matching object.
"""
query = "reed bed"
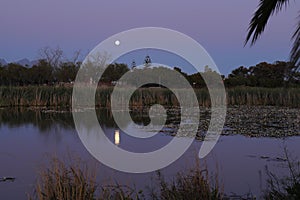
(50, 96)
(254, 96)
(35, 96)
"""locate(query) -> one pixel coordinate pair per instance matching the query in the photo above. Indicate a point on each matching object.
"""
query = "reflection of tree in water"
(46, 119)
(141, 115)
(40, 118)
(105, 117)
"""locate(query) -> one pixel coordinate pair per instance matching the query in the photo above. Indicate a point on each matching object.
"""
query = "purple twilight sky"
(220, 26)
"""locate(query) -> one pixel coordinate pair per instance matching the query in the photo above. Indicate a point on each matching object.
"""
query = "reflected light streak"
(117, 137)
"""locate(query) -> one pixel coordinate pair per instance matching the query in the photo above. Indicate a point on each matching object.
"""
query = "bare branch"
(52, 56)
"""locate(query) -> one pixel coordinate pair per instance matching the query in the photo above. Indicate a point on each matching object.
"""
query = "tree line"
(270, 75)
(43, 73)
(49, 71)
(278, 74)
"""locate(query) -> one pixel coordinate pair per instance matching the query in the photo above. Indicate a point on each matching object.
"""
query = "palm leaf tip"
(295, 51)
(265, 9)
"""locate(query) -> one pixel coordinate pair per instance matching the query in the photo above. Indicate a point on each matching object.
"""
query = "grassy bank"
(62, 96)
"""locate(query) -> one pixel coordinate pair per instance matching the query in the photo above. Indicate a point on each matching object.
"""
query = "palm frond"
(295, 51)
(261, 16)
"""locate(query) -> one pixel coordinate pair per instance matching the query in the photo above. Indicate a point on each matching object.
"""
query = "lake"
(29, 137)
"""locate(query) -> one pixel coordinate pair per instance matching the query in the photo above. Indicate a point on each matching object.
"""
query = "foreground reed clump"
(76, 181)
(285, 187)
(194, 185)
(62, 181)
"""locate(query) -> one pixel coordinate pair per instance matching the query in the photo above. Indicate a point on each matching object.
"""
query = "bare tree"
(52, 56)
(95, 65)
(76, 57)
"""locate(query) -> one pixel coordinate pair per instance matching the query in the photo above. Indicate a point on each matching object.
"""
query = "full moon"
(117, 42)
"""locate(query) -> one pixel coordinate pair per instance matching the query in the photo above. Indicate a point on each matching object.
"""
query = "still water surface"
(28, 137)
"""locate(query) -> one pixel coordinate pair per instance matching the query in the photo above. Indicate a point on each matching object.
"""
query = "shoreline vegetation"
(77, 180)
(61, 96)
